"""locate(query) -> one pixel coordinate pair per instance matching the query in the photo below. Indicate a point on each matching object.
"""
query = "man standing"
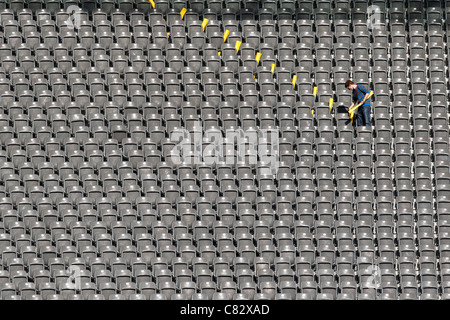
(360, 96)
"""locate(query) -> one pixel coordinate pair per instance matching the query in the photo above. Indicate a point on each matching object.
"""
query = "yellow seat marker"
(352, 114)
(272, 68)
(330, 104)
(219, 53)
(153, 3)
(258, 57)
(237, 46)
(315, 95)
(204, 23)
(183, 12)
(225, 35)
(352, 111)
(294, 80)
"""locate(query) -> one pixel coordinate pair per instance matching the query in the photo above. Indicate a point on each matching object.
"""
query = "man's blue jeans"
(363, 116)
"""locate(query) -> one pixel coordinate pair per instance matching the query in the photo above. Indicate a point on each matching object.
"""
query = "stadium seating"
(96, 95)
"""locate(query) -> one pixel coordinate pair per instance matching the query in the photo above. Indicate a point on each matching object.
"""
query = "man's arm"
(368, 93)
(365, 97)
